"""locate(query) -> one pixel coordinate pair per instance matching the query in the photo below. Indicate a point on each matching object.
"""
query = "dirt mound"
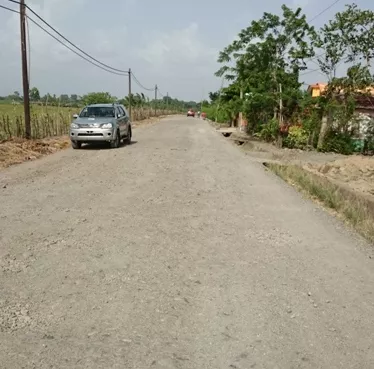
(19, 150)
(357, 172)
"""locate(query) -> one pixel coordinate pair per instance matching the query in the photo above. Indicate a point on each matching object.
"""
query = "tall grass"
(51, 121)
(213, 113)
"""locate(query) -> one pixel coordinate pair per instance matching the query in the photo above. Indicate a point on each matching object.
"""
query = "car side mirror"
(75, 116)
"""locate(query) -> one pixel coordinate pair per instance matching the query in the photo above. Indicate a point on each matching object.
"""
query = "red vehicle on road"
(191, 113)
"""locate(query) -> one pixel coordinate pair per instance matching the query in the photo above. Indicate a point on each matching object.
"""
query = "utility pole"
(201, 102)
(25, 76)
(280, 105)
(156, 88)
(130, 103)
(219, 99)
(241, 113)
(280, 137)
(167, 101)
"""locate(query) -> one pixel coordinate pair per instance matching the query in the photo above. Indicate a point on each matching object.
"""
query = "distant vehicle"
(101, 123)
(191, 113)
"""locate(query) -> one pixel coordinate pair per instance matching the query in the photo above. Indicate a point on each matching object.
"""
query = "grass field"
(50, 121)
(45, 121)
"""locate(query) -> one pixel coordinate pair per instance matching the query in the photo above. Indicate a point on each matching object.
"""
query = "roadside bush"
(340, 143)
(212, 113)
(297, 138)
(269, 131)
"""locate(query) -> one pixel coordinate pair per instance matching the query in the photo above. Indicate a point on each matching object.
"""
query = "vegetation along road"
(175, 252)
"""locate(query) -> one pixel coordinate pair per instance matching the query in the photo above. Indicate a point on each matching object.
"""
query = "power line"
(324, 10)
(75, 52)
(63, 44)
(317, 16)
(10, 9)
(310, 71)
(68, 41)
(95, 62)
(140, 85)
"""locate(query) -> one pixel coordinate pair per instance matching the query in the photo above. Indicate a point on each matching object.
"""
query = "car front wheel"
(76, 145)
(115, 144)
(128, 137)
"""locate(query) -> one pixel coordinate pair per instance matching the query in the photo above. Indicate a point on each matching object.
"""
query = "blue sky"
(170, 43)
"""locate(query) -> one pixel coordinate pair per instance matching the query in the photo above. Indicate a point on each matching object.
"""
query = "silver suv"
(101, 123)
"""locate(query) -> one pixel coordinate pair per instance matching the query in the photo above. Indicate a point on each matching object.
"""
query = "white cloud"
(178, 60)
(46, 52)
(54, 12)
(178, 47)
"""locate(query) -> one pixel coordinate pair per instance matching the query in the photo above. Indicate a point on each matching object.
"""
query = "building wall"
(369, 112)
(316, 92)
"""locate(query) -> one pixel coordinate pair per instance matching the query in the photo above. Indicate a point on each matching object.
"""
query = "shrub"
(340, 143)
(269, 131)
(297, 138)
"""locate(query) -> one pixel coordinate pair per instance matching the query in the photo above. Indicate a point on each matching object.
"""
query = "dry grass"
(356, 209)
(18, 150)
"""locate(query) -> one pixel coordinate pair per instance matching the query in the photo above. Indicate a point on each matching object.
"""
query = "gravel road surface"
(177, 252)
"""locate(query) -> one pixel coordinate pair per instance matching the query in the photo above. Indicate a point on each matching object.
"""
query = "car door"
(124, 120)
(120, 120)
(127, 120)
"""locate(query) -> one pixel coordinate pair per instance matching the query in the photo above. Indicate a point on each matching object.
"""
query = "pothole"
(14, 317)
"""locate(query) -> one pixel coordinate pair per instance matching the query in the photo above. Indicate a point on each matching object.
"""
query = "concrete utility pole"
(130, 102)
(156, 88)
(280, 105)
(241, 113)
(167, 100)
(280, 137)
(25, 76)
(201, 102)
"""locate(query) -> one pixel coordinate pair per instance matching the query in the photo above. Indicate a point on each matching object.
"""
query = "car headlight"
(107, 125)
(74, 126)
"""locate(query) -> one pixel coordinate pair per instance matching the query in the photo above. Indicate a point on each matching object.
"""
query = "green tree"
(267, 58)
(213, 96)
(15, 96)
(98, 98)
(64, 99)
(357, 31)
(34, 94)
(347, 38)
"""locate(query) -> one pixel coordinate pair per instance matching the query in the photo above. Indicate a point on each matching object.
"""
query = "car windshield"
(97, 111)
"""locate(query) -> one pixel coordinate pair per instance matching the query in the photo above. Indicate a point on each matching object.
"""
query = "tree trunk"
(325, 126)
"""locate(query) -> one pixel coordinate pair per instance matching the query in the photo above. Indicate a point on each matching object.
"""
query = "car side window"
(124, 112)
(121, 111)
(118, 112)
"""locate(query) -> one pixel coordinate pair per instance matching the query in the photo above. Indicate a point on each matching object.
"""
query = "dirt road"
(175, 252)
